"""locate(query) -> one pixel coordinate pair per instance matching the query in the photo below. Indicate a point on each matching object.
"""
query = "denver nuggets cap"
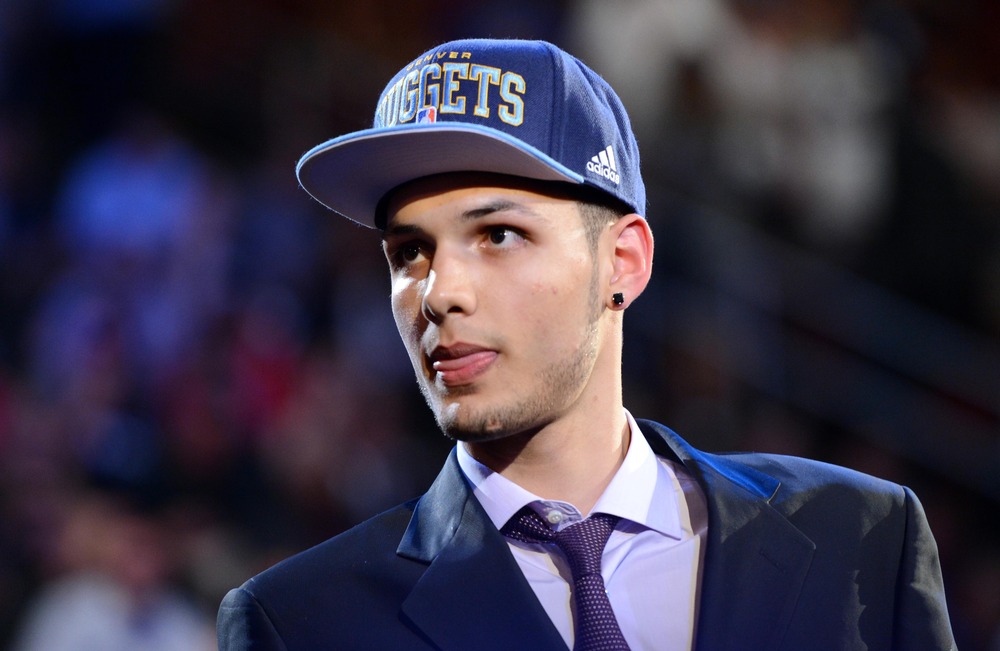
(523, 108)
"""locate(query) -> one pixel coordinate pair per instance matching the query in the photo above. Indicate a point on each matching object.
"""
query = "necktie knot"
(582, 543)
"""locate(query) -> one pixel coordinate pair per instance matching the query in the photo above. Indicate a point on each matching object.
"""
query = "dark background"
(199, 374)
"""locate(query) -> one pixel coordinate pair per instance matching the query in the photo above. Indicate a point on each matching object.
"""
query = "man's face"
(495, 294)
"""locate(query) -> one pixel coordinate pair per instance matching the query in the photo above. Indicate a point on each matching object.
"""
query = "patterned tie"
(596, 628)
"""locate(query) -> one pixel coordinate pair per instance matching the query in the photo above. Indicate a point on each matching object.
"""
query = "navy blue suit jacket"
(800, 555)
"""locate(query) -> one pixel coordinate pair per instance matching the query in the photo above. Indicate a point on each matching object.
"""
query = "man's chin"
(459, 429)
(460, 422)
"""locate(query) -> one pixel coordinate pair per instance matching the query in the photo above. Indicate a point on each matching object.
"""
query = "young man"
(505, 179)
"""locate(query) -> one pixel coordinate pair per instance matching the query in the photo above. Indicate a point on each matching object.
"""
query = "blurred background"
(199, 374)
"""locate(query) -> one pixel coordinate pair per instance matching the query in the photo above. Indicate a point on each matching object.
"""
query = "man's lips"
(461, 365)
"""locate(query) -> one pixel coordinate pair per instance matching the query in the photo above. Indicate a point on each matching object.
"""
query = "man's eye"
(406, 254)
(409, 252)
(503, 236)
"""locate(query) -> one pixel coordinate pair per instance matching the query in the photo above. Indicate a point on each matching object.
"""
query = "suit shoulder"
(809, 477)
(362, 548)
(320, 594)
(775, 477)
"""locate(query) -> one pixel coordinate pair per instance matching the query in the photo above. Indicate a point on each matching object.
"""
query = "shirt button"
(554, 517)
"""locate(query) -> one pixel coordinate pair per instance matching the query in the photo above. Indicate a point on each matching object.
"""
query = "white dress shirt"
(652, 562)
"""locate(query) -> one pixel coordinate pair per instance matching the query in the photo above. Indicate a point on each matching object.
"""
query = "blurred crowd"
(199, 374)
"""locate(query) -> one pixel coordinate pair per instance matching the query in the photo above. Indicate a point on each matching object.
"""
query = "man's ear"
(632, 263)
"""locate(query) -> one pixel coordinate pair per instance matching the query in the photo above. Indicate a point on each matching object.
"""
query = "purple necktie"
(596, 628)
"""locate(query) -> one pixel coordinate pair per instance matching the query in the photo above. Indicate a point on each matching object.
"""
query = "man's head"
(502, 291)
(505, 178)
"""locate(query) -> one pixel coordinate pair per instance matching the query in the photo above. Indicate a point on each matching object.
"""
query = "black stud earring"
(618, 299)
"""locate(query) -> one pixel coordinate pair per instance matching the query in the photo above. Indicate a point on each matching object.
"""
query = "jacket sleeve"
(921, 615)
(243, 625)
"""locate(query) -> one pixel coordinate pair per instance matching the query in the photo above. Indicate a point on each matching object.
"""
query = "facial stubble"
(557, 385)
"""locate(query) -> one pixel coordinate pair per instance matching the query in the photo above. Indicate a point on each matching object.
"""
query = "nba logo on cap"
(427, 115)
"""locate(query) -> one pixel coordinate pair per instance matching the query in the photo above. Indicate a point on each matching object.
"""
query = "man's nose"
(449, 289)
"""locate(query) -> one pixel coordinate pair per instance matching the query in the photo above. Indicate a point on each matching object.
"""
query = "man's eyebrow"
(400, 230)
(498, 205)
(489, 208)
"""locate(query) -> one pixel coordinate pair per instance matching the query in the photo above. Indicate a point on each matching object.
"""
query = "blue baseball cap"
(515, 107)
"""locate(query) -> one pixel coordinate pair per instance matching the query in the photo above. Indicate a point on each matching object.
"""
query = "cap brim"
(351, 174)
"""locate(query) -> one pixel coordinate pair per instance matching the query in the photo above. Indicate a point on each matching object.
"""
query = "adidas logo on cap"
(604, 164)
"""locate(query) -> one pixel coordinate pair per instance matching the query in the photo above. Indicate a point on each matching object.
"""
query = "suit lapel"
(755, 559)
(472, 595)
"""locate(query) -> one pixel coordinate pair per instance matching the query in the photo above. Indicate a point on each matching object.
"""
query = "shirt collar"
(641, 483)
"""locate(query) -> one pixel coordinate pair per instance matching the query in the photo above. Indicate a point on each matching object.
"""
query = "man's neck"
(569, 460)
